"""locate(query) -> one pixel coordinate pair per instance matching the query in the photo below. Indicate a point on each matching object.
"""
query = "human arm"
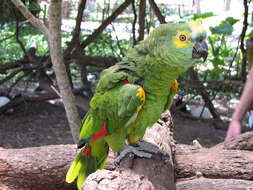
(244, 105)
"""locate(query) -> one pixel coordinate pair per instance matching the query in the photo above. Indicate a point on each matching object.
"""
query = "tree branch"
(157, 11)
(8, 37)
(134, 23)
(32, 19)
(101, 28)
(60, 68)
(17, 38)
(142, 15)
(242, 36)
(81, 101)
(76, 32)
(10, 76)
(203, 93)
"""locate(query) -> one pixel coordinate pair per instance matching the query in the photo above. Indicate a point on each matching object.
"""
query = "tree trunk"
(227, 5)
(53, 36)
(60, 68)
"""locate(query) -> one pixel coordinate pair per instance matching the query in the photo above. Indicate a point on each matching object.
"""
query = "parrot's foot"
(140, 149)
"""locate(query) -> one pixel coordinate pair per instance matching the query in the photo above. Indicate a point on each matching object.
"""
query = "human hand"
(234, 130)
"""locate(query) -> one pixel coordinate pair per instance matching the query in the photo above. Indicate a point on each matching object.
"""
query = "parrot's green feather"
(91, 166)
(101, 163)
(81, 178)
(132, 94)
(74, 169)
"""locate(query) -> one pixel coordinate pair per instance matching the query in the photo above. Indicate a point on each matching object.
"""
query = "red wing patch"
(102, 133)
(86, 151)
(126, 81)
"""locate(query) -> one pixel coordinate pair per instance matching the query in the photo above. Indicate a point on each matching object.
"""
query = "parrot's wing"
(115, 104)
(111, 77)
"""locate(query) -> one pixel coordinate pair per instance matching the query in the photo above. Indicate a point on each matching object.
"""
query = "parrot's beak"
(200, 49)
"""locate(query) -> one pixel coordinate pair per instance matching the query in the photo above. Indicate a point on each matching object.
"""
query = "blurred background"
(95, 35)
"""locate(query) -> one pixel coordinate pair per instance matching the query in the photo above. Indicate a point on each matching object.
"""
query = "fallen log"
(215, 162)
(81, 101)
(195, 167)
(242, 142)
(217, 184)
(39, 168)
(44, 168)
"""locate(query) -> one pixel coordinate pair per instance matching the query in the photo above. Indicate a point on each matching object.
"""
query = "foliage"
(9, 13)
(223, 49)
(222, 62)
(28, 35)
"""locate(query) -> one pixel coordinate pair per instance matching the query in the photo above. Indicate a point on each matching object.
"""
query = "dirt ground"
(32, 125)
(44, 123)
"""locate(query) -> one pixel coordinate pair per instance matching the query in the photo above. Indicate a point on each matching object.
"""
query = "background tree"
(53, 36)
(87, 54)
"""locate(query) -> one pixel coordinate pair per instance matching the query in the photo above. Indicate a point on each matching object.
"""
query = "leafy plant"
(222, 51)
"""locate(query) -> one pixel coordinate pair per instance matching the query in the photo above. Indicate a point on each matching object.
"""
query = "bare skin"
(246, 101)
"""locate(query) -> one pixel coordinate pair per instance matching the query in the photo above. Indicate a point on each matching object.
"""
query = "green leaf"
(230, 20)
(222, 29)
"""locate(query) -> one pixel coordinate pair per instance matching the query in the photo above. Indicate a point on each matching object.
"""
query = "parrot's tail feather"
(77, 165)
(87, 162)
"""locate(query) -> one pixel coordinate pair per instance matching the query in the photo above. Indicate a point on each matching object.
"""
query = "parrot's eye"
(182, 37)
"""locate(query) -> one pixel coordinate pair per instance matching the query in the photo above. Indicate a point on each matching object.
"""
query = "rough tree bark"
(202, 183)
(54, 39)
(195, 167)
(134, 23)
(215, 168)
(215, 162)
(36, 168)
(45, 167)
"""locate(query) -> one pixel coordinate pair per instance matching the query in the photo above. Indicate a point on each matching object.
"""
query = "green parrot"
(132, 94)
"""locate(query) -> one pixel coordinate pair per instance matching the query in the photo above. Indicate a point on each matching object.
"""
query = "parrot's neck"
(158, 76)
(159, 83)
(158, 80)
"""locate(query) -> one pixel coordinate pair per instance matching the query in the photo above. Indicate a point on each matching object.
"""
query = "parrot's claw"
(147, 147)
(141, 149)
